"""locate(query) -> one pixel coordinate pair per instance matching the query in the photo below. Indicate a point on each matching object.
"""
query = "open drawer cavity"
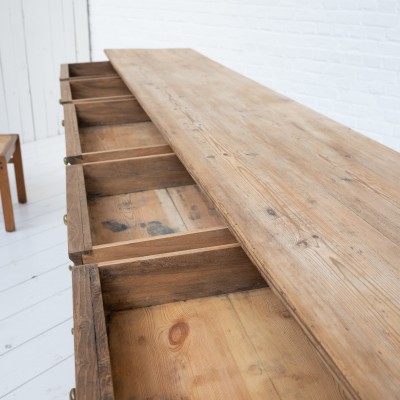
(138, 207)
(198, 324)
(93, 89)
(86, 70)
(109, 130)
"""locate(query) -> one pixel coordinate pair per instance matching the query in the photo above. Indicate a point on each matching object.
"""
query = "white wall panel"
(35, 38)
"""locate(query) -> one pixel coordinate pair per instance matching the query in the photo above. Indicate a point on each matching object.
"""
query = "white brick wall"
(340, 57)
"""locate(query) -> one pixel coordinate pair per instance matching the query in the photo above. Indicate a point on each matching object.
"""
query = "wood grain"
(19, 172)
(72, 141)
(183, 275)
(103, 354)
(8, 143)
(92, 361)
(64, 72)
(135, 174)
(65, 90)
(86, 369)
(118, 111)
(79, 236)
(112, 141)
(109, 155)
(196, 211)
(315, 205)
(119, 136)
(85, 70)
(204, 348)
(172, 242)
(5, 193)
(99, 87)
(133, 216)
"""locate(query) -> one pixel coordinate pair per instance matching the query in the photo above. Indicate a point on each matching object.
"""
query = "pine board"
(113, 137)
(212, 348)
(315, 205)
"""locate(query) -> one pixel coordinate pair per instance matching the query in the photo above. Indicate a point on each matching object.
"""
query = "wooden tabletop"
(314, 204)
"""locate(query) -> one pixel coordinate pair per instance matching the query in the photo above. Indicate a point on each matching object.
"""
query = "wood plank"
(277, 337)
(179, 241)
(64, 72)
(102, 351)
(201, 349)
(183, 275)
(99, 99)
(101, 87)
(86, 370)
(120, 136)
(196, 211)
(72, 142)
(265, 161)
(118, 111)
(25, 363)
(133, 216)
(89, 69)
(135, 174)
(66, 95)
(79, 237)
(109, 155)
(60, 376)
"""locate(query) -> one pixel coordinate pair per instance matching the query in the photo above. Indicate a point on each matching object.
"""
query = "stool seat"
(10, 152)
(7, 145)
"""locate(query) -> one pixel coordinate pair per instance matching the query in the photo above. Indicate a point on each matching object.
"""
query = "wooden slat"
(212, 349)
(283, 176)
(92, 359)
(100, 87)
(135, 174)
(79, 237)
(120, 136)
(184, 275)
(109, 155)
(72, 141)
(66, 95)
(64, 72)
(99, 99)
(158, 245)
(103, 354)
(87, 69)
(86, 370)
(118, 111)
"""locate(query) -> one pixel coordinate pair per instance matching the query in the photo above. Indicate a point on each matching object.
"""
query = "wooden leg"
(19, 173)
(6, 197)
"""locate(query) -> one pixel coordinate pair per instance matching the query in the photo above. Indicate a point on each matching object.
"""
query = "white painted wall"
(340, 57)
(36, 36)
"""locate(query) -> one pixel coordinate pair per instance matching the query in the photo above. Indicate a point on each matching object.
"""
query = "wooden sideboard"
(193, 192)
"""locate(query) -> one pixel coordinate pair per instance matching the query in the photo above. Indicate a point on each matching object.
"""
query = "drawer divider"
(79, 236)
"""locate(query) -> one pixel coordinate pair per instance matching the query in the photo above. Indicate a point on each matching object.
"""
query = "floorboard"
(36, 345)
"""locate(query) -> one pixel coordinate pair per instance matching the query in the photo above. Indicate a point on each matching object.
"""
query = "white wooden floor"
(36, 345)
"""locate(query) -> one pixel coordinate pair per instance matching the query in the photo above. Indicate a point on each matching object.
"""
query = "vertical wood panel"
(35, 38)
(38, 42)
(3, 104)
(82, 30)
(14, 70)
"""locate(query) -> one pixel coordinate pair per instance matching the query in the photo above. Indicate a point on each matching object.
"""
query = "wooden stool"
(10, 151)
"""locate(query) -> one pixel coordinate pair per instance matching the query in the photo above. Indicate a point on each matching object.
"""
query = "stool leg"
(6, 197)
(19, 173)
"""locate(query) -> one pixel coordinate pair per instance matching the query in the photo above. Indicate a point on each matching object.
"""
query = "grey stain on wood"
(156, 228)
(114, 225)
(194, 213)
